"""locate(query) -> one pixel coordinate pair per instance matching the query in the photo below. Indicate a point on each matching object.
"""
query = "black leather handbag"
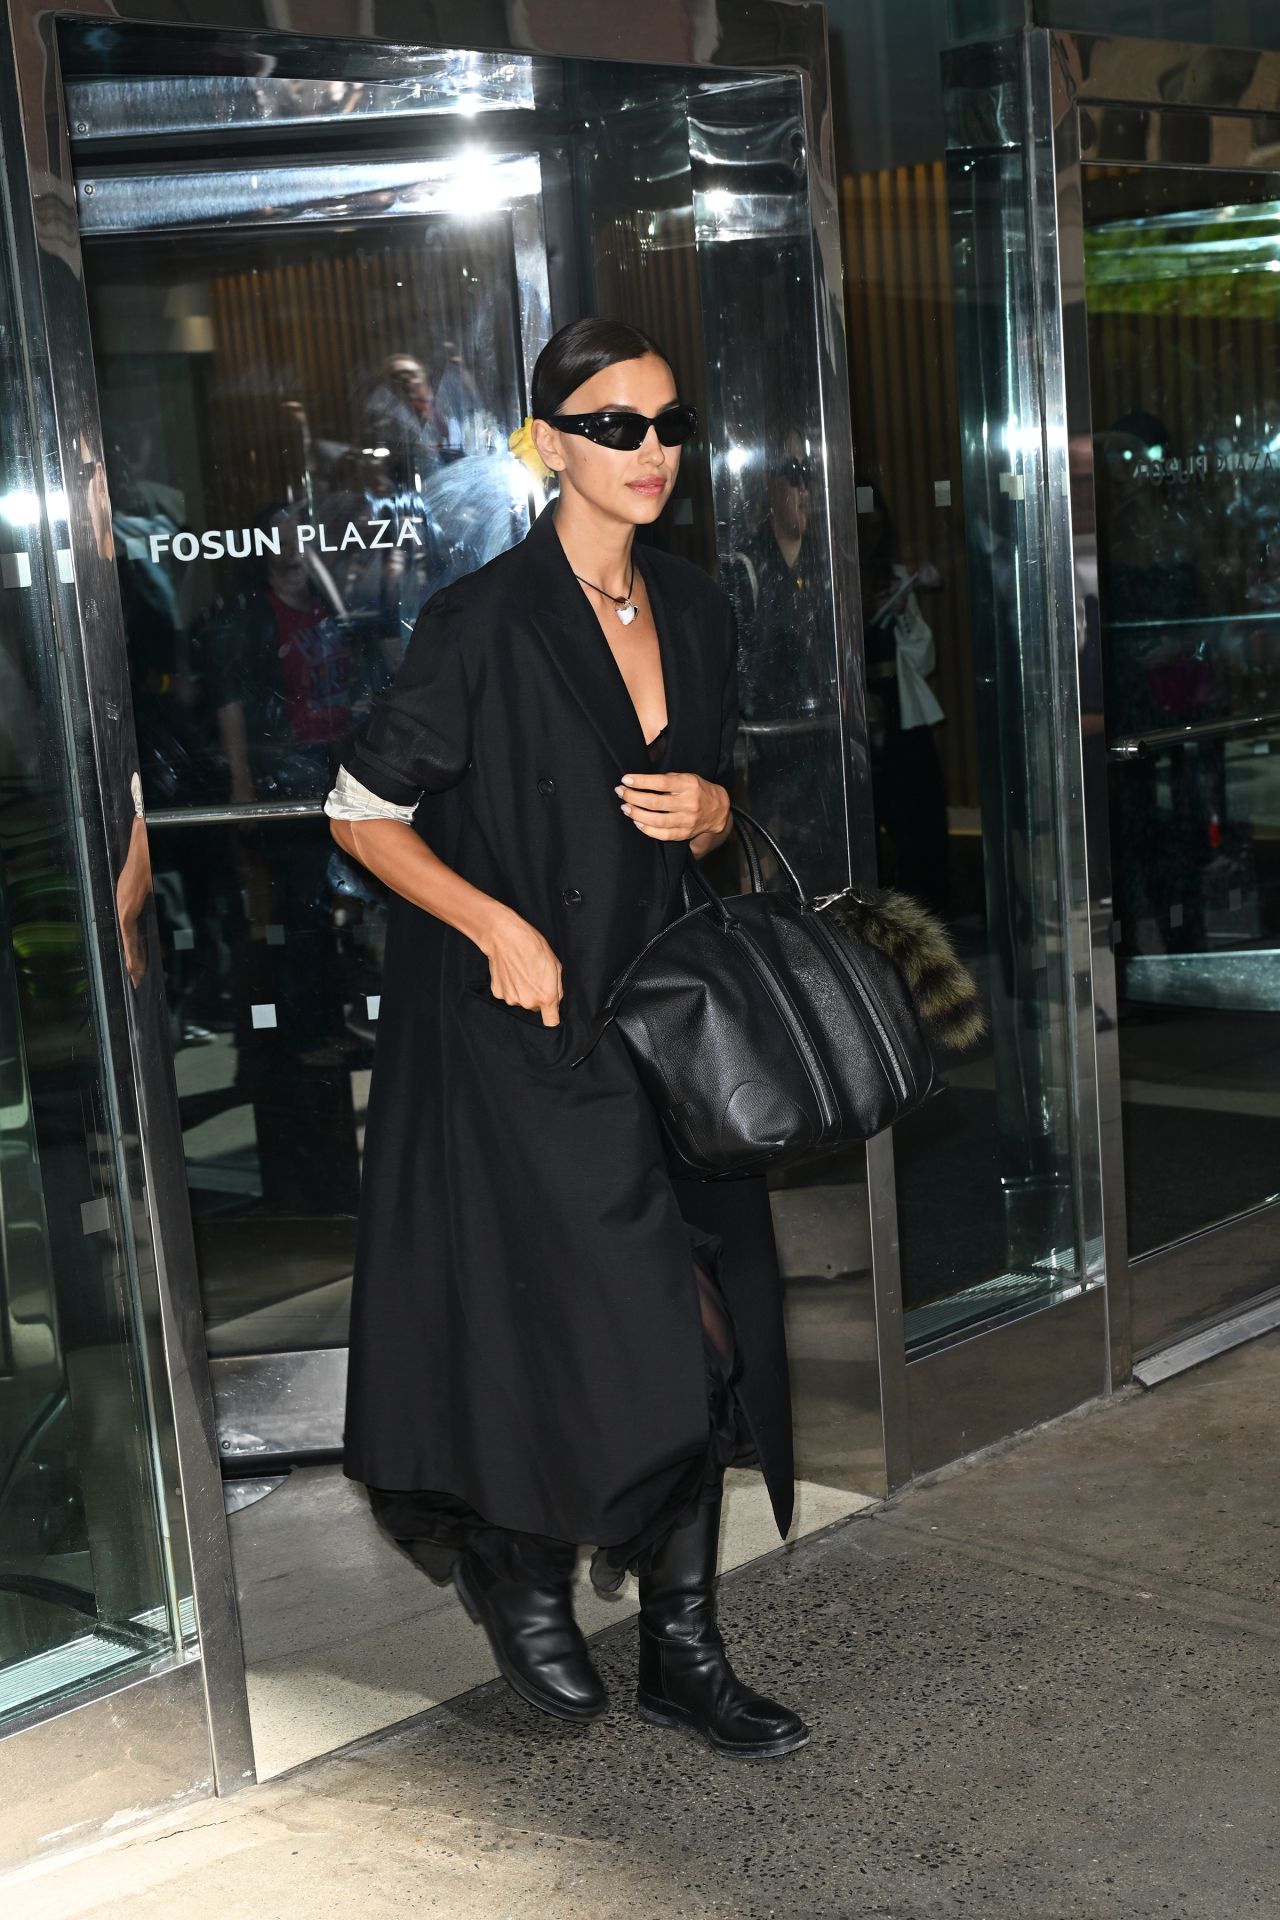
(770, 1027)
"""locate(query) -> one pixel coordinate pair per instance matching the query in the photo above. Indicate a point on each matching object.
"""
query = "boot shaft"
(677, 1578)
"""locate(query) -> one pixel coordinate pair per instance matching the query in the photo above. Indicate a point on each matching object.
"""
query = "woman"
(556, 1338)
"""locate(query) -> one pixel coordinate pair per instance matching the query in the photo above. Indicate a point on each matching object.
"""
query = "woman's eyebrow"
(626, 406)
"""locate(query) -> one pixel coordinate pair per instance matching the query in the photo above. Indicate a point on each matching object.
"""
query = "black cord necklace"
(623, 605)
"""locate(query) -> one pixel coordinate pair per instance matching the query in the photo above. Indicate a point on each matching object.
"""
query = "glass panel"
(305, 433)
(83, 1591)
(967, 719)
(768, 471)
(1183, 309)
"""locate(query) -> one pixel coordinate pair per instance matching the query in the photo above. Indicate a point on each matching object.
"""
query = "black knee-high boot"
(520, 1590)
(685, 1677)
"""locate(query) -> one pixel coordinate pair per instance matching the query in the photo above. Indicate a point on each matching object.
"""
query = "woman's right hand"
(523, 969)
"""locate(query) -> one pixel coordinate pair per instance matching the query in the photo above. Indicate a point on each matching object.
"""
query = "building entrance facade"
(269, 304)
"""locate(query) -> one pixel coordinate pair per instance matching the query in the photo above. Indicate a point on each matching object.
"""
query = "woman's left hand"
(674, 806)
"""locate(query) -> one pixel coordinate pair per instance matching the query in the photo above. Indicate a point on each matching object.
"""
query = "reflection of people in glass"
(358, 569)
(285, 681)
(787, 687)
(1158, 669)
(556, 1334)
(403, 416)
(280, 661)
(76, 1522)
(1168, 807)
(171, 728)
(902, 712)
(469, 426)
(133, 890)
(1251, 665)
(176, 738)
(776, 568)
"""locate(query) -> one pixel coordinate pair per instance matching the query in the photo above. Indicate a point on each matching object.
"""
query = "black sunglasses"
(796, 473)
(624, 431)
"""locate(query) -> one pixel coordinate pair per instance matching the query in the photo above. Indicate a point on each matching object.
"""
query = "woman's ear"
(547, 441)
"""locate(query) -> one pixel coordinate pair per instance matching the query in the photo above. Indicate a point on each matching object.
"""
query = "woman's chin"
(643, 508)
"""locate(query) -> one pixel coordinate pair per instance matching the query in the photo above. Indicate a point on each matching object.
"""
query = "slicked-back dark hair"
(576, 352)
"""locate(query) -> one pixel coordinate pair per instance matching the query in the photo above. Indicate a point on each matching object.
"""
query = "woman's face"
(629, 486)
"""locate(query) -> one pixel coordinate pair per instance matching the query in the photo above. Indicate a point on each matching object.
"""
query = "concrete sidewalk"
(1043, 1687)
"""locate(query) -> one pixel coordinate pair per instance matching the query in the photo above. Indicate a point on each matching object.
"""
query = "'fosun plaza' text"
(238, 543)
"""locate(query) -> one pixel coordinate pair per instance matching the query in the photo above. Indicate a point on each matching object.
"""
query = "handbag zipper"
(799, 1038)
(848, 967)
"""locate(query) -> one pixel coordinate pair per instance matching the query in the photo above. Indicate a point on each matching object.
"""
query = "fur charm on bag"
(943, 990)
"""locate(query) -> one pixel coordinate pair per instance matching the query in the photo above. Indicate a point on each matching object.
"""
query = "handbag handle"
(745, 823)
(620, 985)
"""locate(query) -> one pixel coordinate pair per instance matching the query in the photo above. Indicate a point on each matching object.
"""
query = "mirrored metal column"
(1021, 745)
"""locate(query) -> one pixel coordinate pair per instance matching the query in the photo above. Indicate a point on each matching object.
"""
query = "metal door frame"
(1074, 74)
(363, 40)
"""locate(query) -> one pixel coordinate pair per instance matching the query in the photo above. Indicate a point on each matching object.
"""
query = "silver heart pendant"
(627, 613)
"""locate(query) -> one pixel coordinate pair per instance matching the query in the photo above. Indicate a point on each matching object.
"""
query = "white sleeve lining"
(349, 799)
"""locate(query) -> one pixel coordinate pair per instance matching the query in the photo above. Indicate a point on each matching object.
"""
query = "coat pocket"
(479, 991)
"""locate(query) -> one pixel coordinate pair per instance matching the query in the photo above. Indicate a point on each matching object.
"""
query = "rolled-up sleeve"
(417, 739)
(348, 800)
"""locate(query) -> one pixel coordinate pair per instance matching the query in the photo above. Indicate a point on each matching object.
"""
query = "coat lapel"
(678, 644)
(562, 617)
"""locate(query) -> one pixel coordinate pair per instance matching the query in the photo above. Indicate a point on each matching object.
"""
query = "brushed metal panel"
(287, 1404)
(1178, 1289)
(1016, 1376)
(124, 1757)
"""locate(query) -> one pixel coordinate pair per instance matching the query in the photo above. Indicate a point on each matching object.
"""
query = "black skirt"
(434, 1529)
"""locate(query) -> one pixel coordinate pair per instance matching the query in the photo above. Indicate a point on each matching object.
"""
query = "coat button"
(546, 784)
(571, 897)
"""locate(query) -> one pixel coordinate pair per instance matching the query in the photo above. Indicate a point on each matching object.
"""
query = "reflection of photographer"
(786, 673)
(771, 578)
(470, 426)
(902, 713)
(282, 674)
(402, 414)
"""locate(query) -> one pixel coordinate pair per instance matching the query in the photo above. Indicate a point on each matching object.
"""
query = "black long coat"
(525, 1328)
